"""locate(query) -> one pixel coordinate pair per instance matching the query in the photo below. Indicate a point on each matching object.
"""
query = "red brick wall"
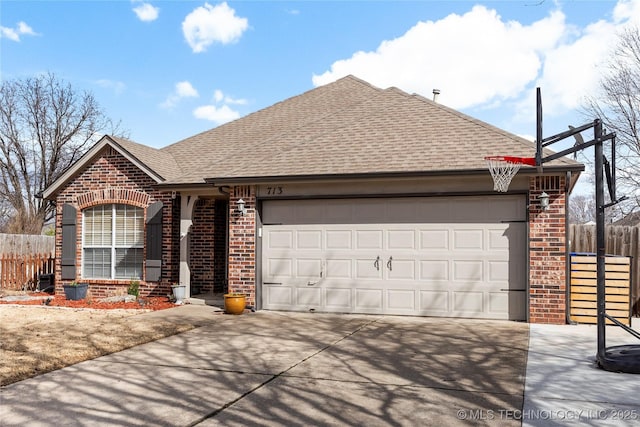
(547, 251)
(220, 246)
(207, 245)
(242, 243)
(111, 178)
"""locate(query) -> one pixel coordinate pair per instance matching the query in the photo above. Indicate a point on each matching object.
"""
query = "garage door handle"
(272, 283)
(376, 263)
(389, 266)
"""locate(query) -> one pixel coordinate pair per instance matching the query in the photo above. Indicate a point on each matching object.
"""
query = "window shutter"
(68, 259)
(154, 242)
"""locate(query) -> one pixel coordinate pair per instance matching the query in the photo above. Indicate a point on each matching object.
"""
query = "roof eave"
(224, 181)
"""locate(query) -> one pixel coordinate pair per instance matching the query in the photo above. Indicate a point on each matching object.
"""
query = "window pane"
(97, 263)
(97, 226)
(129, 226)
(129, 263)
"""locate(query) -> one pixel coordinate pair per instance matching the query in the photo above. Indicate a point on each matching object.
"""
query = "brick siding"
(547, 251)
(207, 245)
(111, 178)
(242, 243)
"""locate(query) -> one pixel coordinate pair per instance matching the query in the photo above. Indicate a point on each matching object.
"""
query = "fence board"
(24, 244)
(20, 271)
(583, 301)
(620, 240)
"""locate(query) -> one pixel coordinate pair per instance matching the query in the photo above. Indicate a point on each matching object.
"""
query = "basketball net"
(504, 168)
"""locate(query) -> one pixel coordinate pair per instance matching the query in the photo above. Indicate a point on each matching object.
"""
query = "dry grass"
(36, 339)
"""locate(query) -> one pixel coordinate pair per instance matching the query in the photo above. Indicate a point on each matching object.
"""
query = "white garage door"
(437, 256)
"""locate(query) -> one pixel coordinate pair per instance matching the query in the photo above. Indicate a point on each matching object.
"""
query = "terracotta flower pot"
(234, 303)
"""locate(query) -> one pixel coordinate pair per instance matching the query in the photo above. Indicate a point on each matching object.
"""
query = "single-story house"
(346, 198)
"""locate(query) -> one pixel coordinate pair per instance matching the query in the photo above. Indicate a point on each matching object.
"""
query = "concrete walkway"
(564, 386)
(276, 369)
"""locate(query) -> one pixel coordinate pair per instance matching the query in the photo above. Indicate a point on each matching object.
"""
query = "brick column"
(547, 251)
(242, 243)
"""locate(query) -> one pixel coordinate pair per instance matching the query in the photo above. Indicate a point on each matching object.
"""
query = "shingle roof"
(347, 127)
(161, 162)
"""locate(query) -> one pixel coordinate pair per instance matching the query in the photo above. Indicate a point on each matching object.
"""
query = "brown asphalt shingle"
(346, 127)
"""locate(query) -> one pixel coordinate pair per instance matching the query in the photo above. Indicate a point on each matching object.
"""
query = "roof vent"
(436, 92)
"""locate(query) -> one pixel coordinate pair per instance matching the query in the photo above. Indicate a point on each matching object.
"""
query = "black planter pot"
(75, 292)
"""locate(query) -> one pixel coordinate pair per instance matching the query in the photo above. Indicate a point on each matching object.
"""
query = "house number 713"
(274, 191)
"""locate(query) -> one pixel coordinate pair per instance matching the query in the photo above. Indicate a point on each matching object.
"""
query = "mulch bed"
(148, 303)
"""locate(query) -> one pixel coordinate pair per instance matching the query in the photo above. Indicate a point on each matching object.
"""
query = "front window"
(112, 242)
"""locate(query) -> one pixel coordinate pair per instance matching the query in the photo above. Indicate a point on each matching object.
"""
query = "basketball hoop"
(504, 168)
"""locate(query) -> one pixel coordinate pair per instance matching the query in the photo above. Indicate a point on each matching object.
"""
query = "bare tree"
(618, 105)
(582, 208)
(45, 126)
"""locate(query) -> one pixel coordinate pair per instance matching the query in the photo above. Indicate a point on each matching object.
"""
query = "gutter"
(381, 175)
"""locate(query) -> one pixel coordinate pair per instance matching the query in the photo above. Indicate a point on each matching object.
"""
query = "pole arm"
(566, 134)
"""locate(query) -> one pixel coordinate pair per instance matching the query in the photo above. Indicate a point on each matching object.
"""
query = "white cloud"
(473, 58)
(182, 89)
(185, 89)
(146, 12)
(219, 96)
(219, 115)
(208, 24)
(480, 60)
(116, 86)
(14, 33)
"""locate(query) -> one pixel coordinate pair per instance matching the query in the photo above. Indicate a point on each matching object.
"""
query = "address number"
(275, 190)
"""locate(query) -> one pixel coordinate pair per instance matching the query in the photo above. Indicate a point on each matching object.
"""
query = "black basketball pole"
(600, 240)
(621, 358)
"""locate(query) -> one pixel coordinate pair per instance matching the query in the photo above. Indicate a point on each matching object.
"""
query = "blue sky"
(171, 69)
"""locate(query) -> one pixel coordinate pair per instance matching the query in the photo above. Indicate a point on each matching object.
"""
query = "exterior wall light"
(242, 209)
(544, 201)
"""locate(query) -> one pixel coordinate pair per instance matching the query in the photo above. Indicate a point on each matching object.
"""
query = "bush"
(134, 288)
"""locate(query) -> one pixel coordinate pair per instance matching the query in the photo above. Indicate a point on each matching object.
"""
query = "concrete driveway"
(275, 369)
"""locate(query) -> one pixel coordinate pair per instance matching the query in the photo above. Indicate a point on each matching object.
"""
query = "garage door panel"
(434, 303)
(339, 239)
(309, 268)
(369, 299)
(464, 270)
(339, 268)
(334, 256)
(401, 300)
(280, 239)
(434, 270)
(338, 298)
(401, 269)
(498, 271)
(309, 298)
(369, 239)
(471, 303)
(437, 239)
(401, 239)
(311, 239)
(498, 240)
(279, 295)
(279, 268)
(468, 239)
(366, 269)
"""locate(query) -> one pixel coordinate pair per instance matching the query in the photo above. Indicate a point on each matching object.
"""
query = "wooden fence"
(26, 244)
(21, 272)
(620, 240)
(583, 307)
